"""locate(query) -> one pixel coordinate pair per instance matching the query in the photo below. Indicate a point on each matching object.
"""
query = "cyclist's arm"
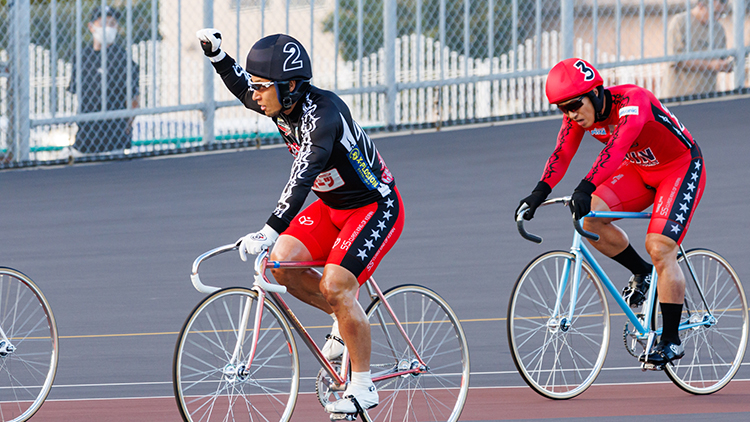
(568, 141)
(317, 140)
(236, 79)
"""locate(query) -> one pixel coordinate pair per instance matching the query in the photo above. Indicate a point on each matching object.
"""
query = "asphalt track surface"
(111, 247)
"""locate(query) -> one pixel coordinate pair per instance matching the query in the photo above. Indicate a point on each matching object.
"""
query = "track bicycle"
(236, 358)
(559, 326)
(28, 346)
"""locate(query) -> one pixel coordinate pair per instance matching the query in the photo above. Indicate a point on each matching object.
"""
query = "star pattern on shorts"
(687, 197)
(362, 254)
(694, 176)
(675, 229)
(387, 215)
(684, 207)
(691, 187)
(381, 225)
(368, 244)
(697, 165)
(680, 218)
(375, 234)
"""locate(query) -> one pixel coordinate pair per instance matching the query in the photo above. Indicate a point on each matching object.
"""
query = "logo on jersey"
(629, 111)
(387, 177)
(328, 181)
(598, 131)
(362, 168)
(305, 220)
(643, 157)
(284, 127)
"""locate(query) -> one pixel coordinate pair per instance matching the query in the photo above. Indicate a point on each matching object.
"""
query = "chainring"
(323, 383)
(631, 340)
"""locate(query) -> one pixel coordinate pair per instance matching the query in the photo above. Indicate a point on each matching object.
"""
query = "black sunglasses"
(571, 105)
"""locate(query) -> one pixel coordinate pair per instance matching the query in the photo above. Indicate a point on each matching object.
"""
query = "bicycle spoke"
(440, 392)
(565, 360)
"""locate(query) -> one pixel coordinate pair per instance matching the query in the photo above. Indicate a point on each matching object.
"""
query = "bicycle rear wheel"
(209, 386)
(29, 362)
(437, 392)
(557, 357)
(713, 352)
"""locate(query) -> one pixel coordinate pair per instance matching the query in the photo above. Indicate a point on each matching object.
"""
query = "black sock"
(670, 316)
(630, 259)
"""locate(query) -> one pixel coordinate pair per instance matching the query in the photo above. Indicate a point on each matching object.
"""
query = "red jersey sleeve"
(568, 141)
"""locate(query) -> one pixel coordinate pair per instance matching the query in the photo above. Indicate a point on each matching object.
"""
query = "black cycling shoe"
(663, 353)
(635, 292)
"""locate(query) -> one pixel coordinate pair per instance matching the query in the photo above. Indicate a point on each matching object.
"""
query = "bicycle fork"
(233, 370)
(6, 347)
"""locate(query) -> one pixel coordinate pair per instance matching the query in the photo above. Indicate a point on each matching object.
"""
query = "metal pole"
(389, 41)
(567, 28)
(21, 79)
(739, 44)
(209, 110)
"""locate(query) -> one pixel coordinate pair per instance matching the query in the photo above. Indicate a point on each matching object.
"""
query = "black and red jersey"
(638, 128)
(333, 156)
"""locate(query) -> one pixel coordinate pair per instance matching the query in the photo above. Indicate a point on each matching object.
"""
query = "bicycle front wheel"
(716, 343)
(558, 356)
(437, 391)
(211, 380)
(28, 360)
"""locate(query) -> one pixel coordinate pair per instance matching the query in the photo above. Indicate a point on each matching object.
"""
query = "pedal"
(647, 366)
(343, 416)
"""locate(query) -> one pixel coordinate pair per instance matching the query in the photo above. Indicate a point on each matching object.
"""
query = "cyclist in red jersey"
(648, 158)
(358, 215)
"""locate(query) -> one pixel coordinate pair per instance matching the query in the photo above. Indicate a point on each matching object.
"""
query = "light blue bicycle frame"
(582, 252)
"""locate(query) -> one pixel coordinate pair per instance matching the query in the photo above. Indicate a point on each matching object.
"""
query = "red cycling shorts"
(356, 239)
(675, 189)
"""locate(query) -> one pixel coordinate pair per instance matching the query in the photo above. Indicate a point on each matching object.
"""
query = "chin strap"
(602, 100)
(287, 98)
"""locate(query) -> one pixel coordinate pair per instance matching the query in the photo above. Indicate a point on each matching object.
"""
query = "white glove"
(210, 39)
(254, 243)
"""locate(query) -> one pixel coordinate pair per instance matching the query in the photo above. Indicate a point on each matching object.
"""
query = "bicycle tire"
(558, 359)
(208, 387)
(440, 392)
(26, 373)
(714, 352)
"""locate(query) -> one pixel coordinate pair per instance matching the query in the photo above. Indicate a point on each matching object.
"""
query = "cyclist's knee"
(661, 248)
(338, 285)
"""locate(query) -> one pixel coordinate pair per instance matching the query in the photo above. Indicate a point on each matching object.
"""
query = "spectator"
(109, 134)
(696, 76)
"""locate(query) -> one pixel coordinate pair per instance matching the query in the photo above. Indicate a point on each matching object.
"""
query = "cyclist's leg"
(339, 287)
(309, 237)
(679, 191)
(367, 234)
(625, 191)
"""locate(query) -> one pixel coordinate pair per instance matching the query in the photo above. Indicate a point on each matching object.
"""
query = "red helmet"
(571, 78)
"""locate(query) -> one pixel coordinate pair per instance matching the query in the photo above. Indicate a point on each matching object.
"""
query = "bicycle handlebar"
(259, 280)
(537, 239)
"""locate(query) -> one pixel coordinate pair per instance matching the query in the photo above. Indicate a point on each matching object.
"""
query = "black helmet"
(281, 58)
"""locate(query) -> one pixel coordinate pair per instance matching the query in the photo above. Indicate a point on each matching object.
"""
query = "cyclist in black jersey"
(359, 214)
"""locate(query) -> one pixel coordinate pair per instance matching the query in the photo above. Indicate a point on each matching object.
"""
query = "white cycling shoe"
(367, 397)
(334, 347)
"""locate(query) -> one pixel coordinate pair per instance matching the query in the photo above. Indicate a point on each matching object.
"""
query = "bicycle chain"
(628, 336)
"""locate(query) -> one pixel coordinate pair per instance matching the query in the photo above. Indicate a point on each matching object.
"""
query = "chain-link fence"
(397, 63)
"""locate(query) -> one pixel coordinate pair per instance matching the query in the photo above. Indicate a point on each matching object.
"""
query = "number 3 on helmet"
(571, 78)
